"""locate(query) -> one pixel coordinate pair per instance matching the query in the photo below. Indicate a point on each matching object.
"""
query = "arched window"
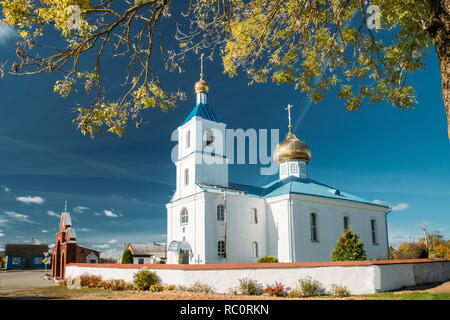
(255, 249)
(209, 137)
(253, 216)
(184, 216)
(346, 223)
(314, 227)
(220, 212)
(186, 177)
(188, 139)
(221, 249)
(373, 225)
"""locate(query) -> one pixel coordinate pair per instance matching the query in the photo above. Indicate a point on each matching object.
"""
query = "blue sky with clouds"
(116, 188)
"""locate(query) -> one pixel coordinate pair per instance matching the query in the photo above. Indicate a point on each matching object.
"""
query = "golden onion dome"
(201, 85)
(291, 148)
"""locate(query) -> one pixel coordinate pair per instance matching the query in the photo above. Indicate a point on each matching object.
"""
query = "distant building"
(148, 253)
(66, 249)
(20, 256)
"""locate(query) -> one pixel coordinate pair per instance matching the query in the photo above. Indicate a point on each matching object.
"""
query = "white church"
(295, 218)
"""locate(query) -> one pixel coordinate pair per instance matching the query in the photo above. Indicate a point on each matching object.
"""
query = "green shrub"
(144, 279)
(127, 257)
(310, 287)
(349, 248)
(294, 293)
(199, 286)
(339, 291)
(248, 287)
(268, 259)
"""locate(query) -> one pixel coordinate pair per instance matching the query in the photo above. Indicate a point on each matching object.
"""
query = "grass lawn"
(61, 292)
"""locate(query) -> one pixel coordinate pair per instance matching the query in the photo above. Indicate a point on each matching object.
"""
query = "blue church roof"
(203, 111)
(300, 186)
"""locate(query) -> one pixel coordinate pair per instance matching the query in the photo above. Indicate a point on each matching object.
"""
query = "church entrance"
(183, 257)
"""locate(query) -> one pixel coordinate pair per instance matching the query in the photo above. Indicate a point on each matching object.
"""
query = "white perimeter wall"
(359, 279)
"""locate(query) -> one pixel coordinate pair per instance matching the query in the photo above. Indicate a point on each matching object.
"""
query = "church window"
(220, 212)
(314, 227)
(188, 139)
(184, 217)
(186, 177)
(294, 168)
(303, 169)
(253, 216)
(255, 249)
(373, 229)
(346, 223)
(221, 249)
(209, 137)
(283, 169)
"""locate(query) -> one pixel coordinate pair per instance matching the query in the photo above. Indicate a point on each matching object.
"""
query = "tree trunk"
(438, 27)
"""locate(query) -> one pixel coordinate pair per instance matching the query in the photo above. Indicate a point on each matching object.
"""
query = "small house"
(148, 253)
(21, 256)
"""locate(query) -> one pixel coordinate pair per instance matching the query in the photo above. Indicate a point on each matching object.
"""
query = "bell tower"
(201, 146)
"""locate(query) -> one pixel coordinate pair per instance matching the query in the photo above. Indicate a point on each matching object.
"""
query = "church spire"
(201, 86)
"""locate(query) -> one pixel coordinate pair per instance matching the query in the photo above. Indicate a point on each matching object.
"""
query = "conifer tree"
(349, 248)
(127, 258)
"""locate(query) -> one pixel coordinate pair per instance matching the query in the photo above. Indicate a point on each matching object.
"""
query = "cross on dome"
(289, 107)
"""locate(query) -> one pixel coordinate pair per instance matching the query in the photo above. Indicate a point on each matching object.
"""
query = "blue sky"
(117, 188)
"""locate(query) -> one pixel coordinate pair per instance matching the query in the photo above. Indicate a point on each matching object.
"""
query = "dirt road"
(23, 279)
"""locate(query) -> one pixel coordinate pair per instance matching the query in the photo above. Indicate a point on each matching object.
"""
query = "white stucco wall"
(359, 279)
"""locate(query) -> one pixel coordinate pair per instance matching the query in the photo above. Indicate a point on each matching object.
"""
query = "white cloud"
(80, 209)
(30, 199)
(6, 33)
(112, 241)
(44, 231)
(18, 216)
(84, 229)
(97, 214)
(2, 234)
(400, 207)
(110, 214)
(6, 189)
(380, 202)
(52, 213)
(101, 246)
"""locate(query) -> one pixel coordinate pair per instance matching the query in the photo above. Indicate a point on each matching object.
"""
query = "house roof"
(203, 111)
(154, 249)
(291, 185)
(25, 250)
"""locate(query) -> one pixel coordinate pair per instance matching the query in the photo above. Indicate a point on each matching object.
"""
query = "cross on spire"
(289, 107)
(201, 65)
(65, 206)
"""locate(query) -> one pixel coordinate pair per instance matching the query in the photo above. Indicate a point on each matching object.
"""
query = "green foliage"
(349, 248)
(248, 287)
(312, 44)
(309, 287)
(127, 257)
(144, 279)
(268, 259)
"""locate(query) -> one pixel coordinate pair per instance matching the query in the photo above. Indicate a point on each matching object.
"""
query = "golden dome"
(291, 148)
(201, 86)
